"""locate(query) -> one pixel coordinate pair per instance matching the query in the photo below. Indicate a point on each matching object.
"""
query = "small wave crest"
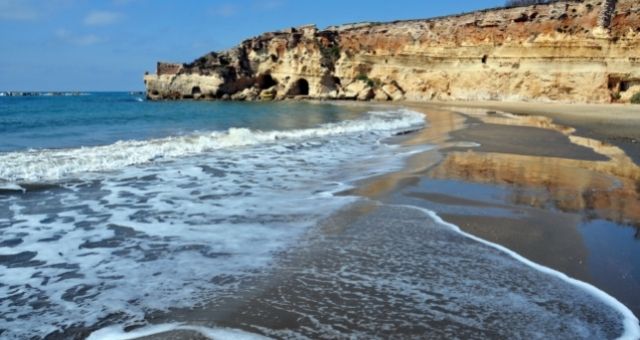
(118, 333)
(629, 320)
(56, 164)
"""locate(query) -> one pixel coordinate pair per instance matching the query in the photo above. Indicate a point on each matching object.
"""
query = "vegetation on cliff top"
(518, 3)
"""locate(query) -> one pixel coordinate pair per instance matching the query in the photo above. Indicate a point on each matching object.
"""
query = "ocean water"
(114, 209)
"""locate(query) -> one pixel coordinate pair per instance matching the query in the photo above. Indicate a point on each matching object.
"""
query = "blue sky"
(107, 45)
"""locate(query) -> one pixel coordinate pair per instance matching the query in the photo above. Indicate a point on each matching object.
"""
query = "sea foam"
(56, 164)
(173, 222)
(630, 321)
(118, 333)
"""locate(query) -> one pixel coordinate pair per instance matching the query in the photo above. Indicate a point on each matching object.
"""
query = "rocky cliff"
(570, 51)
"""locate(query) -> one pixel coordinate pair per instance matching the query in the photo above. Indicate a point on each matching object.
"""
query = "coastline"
(617, 124)
(536, 200)
(482, 190)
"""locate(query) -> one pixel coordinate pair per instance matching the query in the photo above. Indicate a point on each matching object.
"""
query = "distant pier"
(42, 94)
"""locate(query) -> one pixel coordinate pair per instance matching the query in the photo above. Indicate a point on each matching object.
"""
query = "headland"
(565, 52)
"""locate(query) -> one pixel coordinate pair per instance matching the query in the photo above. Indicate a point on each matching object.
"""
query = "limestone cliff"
(573, 51)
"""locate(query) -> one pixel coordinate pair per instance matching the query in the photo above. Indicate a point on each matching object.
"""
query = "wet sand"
(618, 124)
(568, 202)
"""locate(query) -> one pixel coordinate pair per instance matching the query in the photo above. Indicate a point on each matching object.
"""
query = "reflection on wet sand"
(598, 190)
(607, 190)
(528, 184)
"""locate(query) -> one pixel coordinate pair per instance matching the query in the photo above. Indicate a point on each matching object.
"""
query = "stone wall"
(168, 68)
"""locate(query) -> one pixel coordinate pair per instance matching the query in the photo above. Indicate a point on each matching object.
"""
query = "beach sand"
(562, 199)
(617, 124)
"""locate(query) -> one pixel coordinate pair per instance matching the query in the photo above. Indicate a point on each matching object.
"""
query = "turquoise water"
(117, 213)
(104, 118)
(110, 205)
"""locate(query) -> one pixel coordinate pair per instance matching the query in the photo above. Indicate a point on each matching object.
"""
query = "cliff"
(573, 51)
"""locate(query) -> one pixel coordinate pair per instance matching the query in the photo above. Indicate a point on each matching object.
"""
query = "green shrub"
(616, 96)
(635, 99)
(329, 54)
(366, 79)
(335, 52)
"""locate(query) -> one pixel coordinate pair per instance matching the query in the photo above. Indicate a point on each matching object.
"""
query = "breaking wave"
(57, 164)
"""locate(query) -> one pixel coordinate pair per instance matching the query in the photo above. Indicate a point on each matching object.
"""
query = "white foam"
(53, 165)
(630, 321)
(220, 214)
(11, 187)
(118, 333)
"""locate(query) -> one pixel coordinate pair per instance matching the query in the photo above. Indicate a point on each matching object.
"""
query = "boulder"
(625, 96)
(366, 94)
(248, 94)
(380, 95)
(353, 90)
(393, 91)
(269, 94)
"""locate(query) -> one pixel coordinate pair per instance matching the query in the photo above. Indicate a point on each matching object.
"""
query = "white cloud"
(101, 18)
(229, 10)
(225, 10)
(17, 10)
(76, 39)
(268, 4)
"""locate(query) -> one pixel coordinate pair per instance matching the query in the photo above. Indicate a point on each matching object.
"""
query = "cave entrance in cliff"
(196, 91)
(625, 85)
(265, 81)
(300, 88)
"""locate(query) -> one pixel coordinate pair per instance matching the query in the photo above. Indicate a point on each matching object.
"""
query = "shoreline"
(504, 169)
(617, 124)
(483, 207)
(411, 186)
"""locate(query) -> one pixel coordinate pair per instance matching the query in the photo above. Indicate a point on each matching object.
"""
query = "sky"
(107, 45)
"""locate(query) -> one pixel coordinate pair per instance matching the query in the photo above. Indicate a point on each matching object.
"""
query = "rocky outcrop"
(573, 51)
(606, 13)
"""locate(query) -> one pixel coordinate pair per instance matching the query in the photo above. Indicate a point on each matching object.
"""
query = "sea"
(123, 218)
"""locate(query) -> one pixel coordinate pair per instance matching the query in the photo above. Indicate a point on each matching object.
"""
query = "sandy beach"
(569, 203)
(326, 170)
(617, 124)
(566, 199)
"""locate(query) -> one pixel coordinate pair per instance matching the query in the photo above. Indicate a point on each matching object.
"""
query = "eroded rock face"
(554, 52)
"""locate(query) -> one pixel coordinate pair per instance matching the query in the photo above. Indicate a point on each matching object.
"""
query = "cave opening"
(265, 81)
(300, 88)
(196, 91)
(485, 58)
(625, 85)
